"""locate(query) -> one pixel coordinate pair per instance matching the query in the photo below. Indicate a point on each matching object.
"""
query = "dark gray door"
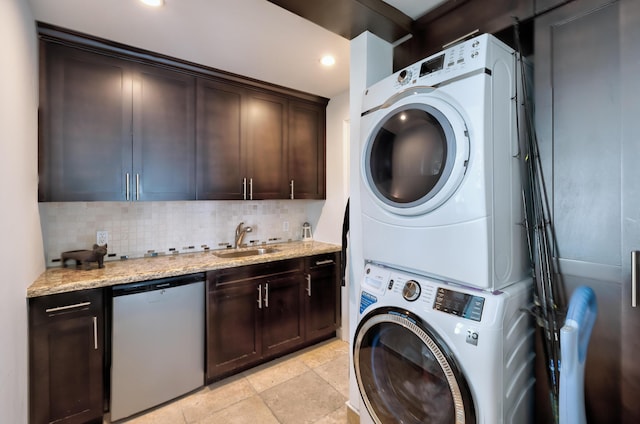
(587, 107)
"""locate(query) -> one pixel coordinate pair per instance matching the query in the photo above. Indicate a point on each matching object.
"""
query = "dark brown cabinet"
(66, 358)
(220, 167)
(85, 125)
(266, 156)
(253, 313)
(306, 148)
(120, 124)
(113, 129)
(322, 295)
(258, 312)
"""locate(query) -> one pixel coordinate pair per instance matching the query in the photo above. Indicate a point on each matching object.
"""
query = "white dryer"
(431, 352)
(440, 180)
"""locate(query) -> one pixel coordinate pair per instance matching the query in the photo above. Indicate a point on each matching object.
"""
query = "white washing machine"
(431, 352)
(440, 176)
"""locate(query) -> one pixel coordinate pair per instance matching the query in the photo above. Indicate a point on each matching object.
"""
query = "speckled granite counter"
(61, 280)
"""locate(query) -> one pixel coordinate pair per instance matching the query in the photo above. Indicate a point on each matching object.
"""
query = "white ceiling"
(254, 38)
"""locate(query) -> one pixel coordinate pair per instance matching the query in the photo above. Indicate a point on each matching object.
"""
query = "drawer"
(46, 309)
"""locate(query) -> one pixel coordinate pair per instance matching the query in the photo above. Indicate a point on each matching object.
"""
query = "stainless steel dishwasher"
(157, 342)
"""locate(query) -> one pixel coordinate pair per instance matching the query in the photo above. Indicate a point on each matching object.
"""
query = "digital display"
(460, 304)
(432, 65)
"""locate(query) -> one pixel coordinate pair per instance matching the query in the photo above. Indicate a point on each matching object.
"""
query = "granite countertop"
(61, 280)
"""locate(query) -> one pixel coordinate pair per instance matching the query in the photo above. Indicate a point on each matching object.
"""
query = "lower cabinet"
(258, 312)
(66, 348)
(322, 295)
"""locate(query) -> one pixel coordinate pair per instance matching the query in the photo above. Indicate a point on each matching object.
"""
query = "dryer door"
(416, 155)
(406, 374)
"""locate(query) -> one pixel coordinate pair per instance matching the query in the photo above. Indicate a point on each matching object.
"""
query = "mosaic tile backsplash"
(136, 229)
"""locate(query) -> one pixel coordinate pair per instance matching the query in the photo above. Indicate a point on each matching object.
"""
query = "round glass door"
(416, 156)
(406, 375)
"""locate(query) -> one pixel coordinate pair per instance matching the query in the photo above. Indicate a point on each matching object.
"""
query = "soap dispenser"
(306, 232)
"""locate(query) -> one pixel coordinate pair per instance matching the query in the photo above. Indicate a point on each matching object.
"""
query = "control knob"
(411, 290)
(404, 76)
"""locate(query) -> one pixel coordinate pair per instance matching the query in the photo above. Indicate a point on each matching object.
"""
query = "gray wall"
(21, 258)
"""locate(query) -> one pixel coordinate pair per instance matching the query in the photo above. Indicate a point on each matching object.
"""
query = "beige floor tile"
(339, 416)
(303, 399)
(169, 414)
(272, 374)
(324, 353)
(249, 411)
(218, 396)
(336, 373)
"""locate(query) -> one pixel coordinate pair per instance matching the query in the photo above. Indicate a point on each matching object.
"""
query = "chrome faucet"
(240, 232)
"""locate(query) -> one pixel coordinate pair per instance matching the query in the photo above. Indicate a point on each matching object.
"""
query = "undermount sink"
(245, 253)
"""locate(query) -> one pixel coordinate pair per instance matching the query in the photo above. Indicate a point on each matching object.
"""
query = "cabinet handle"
(634, 278)
(244, 188)
(291, 184)
(325, 262)
(250, 188)
(95, 333)
(128, 188)
(137, 186)
(67, 307)
(259, 296)
(308, 278)
(266, 295)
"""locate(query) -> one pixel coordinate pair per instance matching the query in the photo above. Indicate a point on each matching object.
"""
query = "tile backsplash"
(138, 229)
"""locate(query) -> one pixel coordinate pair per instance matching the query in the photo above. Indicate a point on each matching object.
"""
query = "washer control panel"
(460, 304)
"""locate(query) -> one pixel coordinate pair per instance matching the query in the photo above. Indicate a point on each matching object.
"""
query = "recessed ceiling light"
(154, 3)
(328, 60)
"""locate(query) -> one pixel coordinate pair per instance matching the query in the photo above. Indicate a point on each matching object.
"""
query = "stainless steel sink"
(245, 253)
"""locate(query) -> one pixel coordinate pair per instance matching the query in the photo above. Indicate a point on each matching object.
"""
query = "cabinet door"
(266, 154)
(66, 359)
(589, 147)
(282, 313)
(85, 118)
(322, 297)
(220, 170)
(307, 150)
(233, 340)
(163, 135)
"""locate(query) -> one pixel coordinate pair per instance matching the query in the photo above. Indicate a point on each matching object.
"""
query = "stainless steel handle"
(325, 262)
(244, 189)
(128, 186)
(291, 184)
(250, 188)
(266, 295)
(634, 278)
(137, 186)
(67, 307)
(308, 278)
(259, 296)
(95, 333)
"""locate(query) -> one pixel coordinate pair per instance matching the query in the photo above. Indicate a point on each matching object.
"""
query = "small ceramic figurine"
(85, 257)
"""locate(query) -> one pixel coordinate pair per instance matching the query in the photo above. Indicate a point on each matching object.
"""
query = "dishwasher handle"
(160, 284)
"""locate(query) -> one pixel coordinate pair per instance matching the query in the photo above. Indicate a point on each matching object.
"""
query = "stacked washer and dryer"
(442, 335)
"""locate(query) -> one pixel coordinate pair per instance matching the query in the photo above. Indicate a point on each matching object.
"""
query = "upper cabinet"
(119, 124)
(112, 129)
(306, 160)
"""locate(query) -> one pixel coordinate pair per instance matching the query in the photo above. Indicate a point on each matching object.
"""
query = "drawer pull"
(95, 333)
(634, 278)
(66, 308)
(325, 262)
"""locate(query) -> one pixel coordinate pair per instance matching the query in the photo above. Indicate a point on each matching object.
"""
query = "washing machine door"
(406, 374)
(416, 156)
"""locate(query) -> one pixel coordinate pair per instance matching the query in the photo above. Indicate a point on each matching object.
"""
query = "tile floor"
(309, 386)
